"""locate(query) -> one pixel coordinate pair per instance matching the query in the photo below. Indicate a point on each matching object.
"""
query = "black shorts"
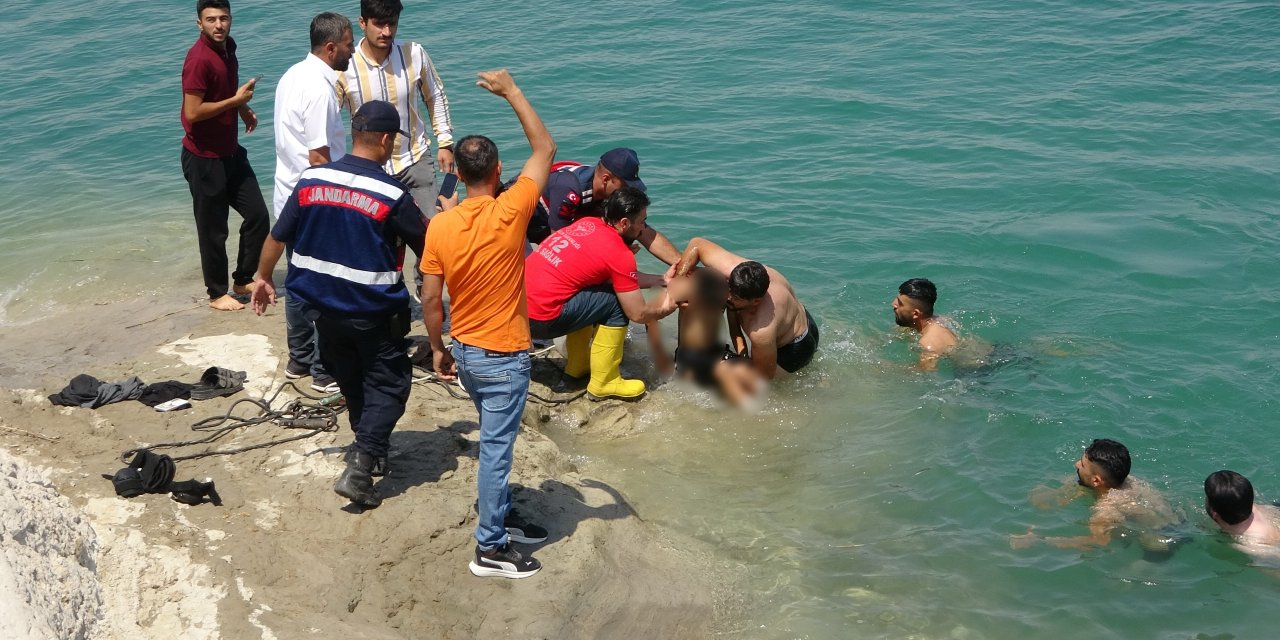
(795, 356)
(699, 363)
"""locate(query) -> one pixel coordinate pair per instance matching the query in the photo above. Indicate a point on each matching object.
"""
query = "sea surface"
(1092, 186)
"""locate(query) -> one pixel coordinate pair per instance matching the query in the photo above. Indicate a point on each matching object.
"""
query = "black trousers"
(218, 184)
(370, 361)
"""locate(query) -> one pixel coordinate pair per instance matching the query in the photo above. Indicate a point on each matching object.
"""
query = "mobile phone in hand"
(448, 185)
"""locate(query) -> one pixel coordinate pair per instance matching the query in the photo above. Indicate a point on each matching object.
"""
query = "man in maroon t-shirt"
(215, 165)
(585, 275)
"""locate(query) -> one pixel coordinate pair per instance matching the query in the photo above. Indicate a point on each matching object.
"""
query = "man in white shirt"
(399, 72)
(310, 132)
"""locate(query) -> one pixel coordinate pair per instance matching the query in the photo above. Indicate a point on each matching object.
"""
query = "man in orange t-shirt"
(477, 248)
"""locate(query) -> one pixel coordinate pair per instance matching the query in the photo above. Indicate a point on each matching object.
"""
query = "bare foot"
(226, 303)
(244, 289)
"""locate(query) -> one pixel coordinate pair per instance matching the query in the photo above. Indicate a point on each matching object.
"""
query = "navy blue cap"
(377, 116)
(625, 164)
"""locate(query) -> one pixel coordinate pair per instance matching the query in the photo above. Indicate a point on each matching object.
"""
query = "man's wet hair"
(381, 10)
(476, 158)
(1230, 495)
(625, 203)
(201, 5)
(1112, 457)
(749, 280)
(922, 291)
(710, 287)
(328, 27)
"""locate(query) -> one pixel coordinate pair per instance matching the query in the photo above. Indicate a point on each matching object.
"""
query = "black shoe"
(324, 383)
(295, 370)
(379, 462)
(503, 562)
(356, 481)
(520, 531)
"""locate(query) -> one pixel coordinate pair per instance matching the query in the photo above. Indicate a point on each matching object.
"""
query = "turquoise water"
(1093, 187)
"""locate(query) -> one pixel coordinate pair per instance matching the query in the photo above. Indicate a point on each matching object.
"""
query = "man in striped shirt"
(384, 68)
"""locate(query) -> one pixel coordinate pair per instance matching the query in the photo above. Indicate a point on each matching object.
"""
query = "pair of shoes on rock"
(356, 481)
(216, 382)
(504, 561)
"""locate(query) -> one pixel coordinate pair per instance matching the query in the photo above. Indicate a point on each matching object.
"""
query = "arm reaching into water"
(1100, 527)
(661, 359)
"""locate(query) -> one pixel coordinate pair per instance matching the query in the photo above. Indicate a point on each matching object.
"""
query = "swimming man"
(913, 308)
(1121, 500)
(1228, 499)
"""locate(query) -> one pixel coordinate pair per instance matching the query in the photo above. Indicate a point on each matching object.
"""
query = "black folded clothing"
(161, 392)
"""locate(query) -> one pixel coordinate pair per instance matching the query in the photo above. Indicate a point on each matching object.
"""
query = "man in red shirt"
(215, 165)
(585, 275)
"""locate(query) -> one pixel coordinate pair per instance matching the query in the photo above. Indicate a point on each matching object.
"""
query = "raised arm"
(710, 254)
(538, 166)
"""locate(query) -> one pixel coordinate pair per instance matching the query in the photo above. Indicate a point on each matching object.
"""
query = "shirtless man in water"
(1122, 500)
(701, 355)
(913, 308)
(1228, 499)
(782, 333)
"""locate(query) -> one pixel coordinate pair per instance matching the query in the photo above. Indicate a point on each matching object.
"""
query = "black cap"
(625, 164)
(377, 116)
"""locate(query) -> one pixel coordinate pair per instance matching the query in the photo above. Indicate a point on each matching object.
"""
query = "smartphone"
(256, 79)
(448, 185)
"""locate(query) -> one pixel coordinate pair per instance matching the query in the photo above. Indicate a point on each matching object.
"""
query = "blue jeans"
(300, 333)
(498, 385)
(591, 306)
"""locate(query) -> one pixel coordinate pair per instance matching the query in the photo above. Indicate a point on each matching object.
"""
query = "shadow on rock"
(560, 507)
(419, 457)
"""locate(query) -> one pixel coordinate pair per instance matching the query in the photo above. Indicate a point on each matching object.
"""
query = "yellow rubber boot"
(577, 357)
(606, 355)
